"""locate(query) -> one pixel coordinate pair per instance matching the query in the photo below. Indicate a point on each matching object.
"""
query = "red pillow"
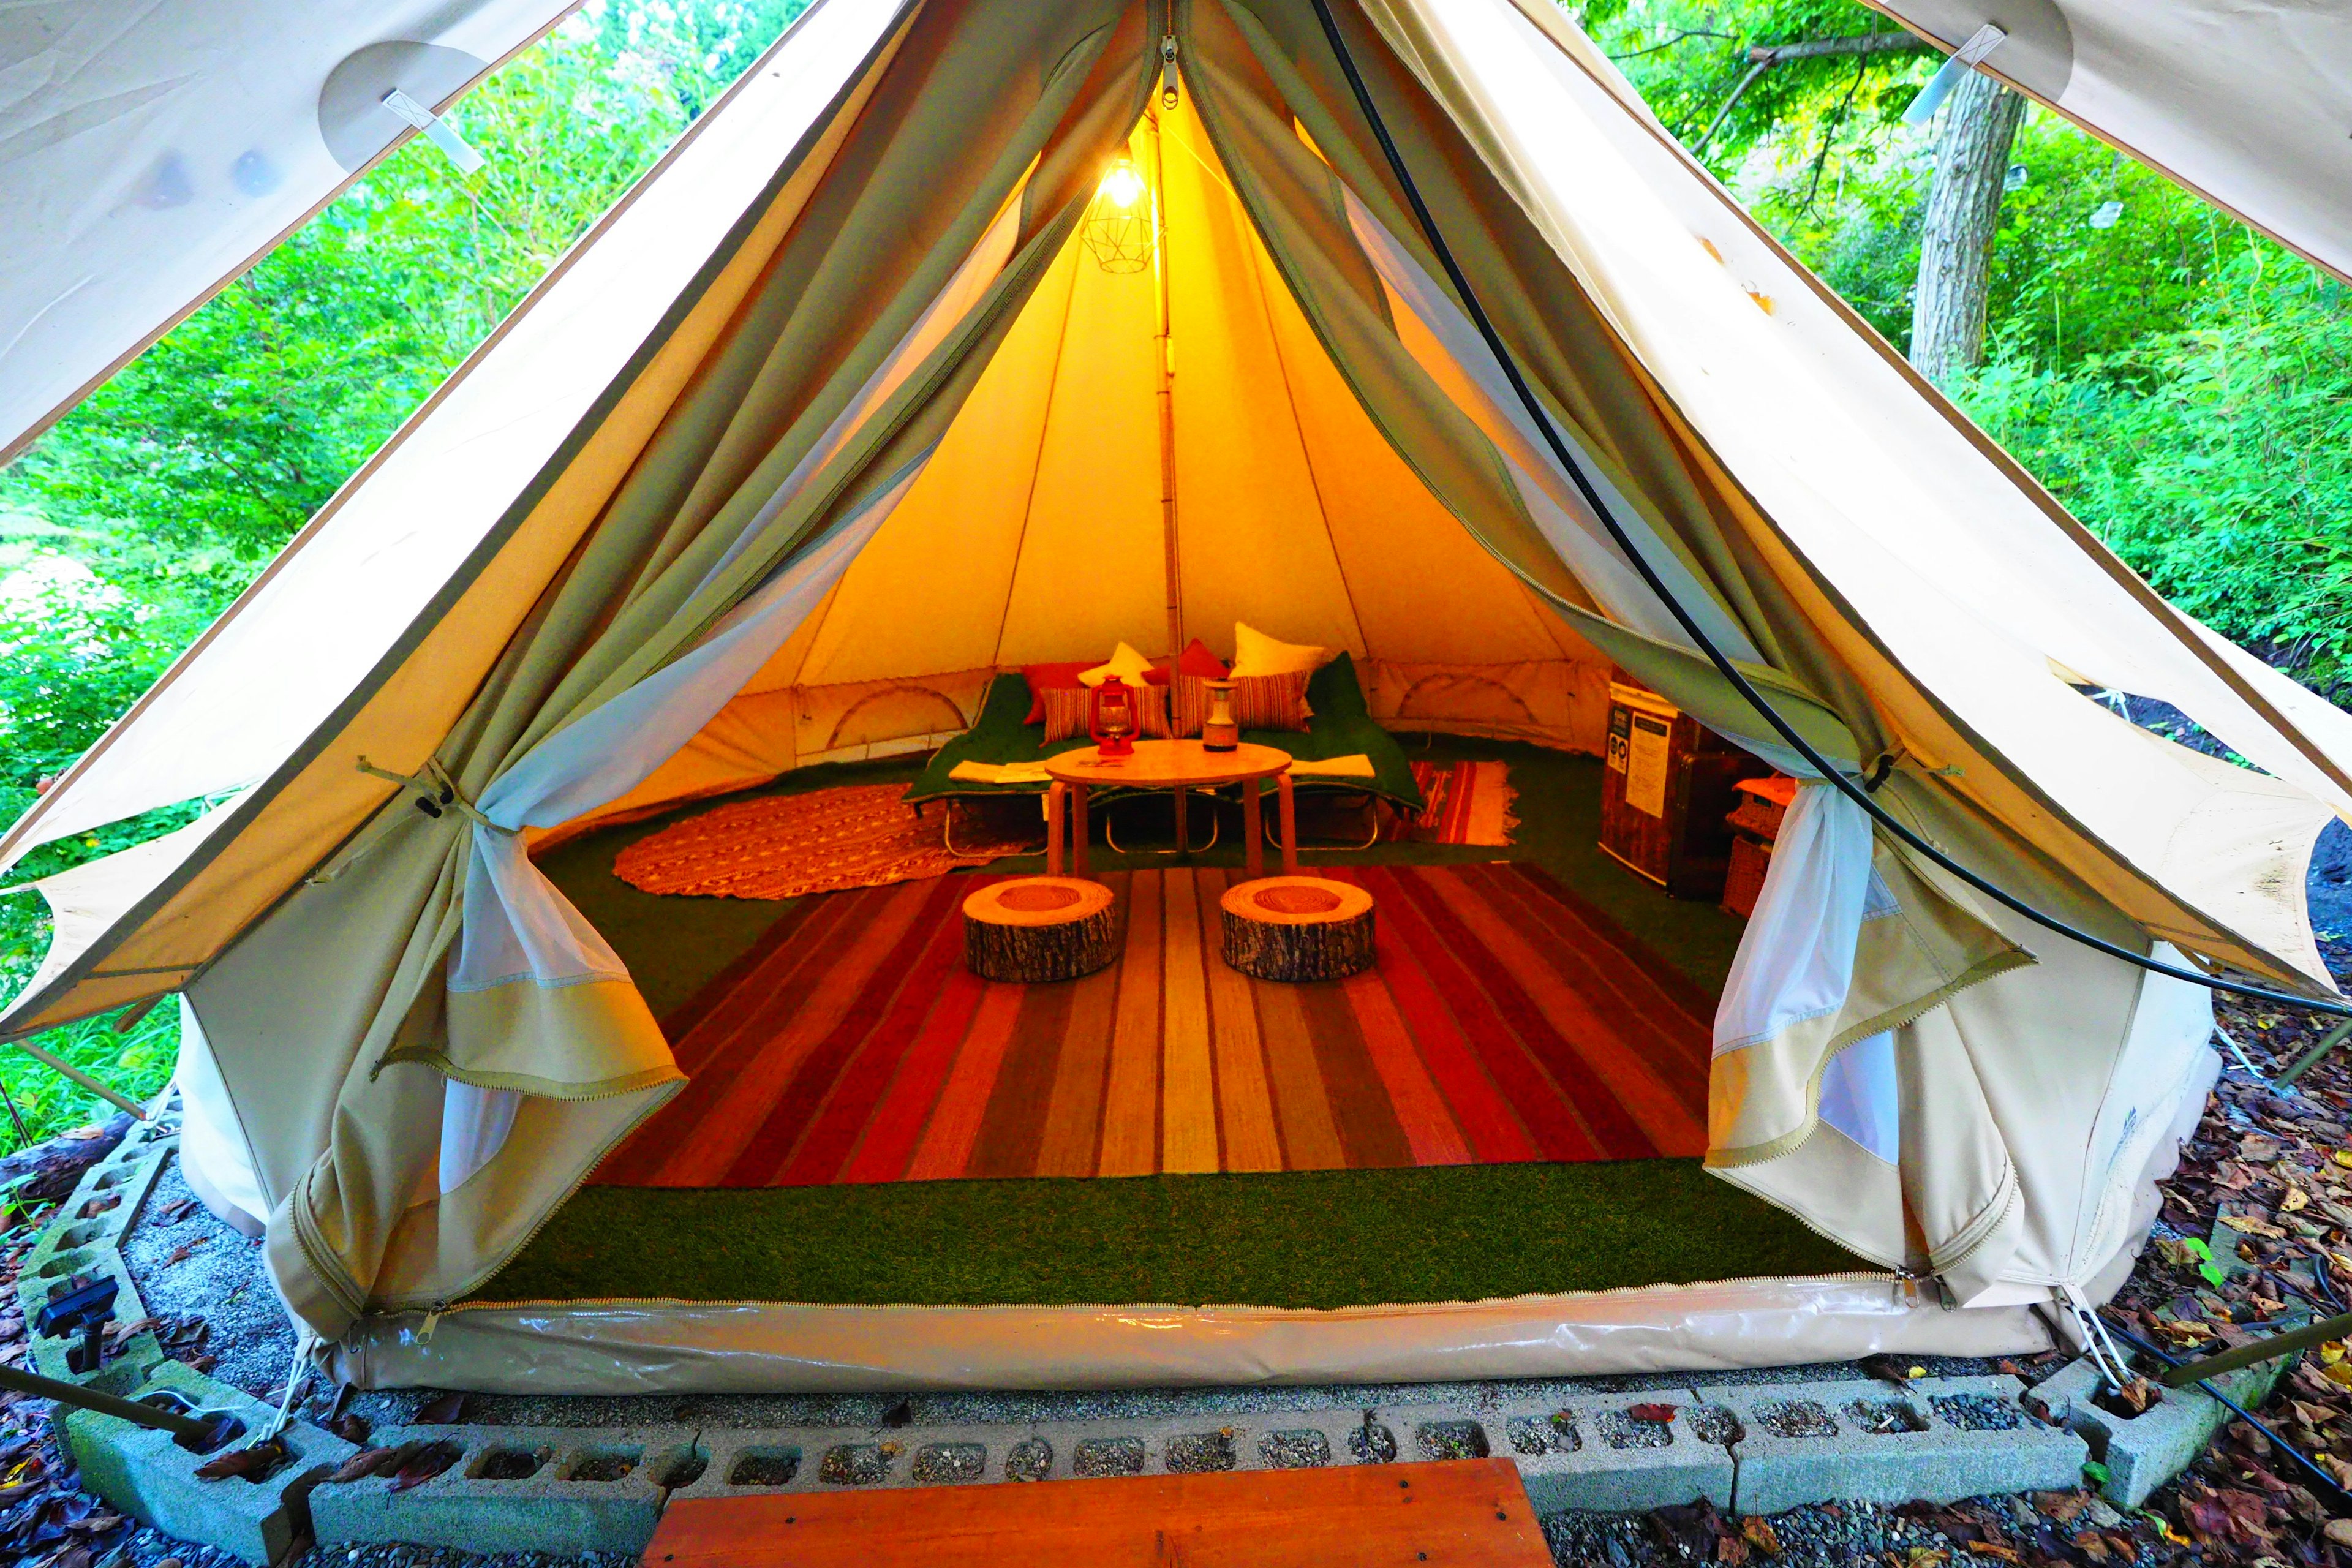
(1044, 677)
(1196, 660)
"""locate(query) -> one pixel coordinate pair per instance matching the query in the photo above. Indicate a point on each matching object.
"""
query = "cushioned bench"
(1342, 727)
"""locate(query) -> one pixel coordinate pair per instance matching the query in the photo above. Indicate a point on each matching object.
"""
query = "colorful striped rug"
(1462, 802)
(1506, 1019)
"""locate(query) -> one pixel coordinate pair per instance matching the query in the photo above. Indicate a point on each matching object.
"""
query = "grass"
(1301, 1238)
(137, 1062)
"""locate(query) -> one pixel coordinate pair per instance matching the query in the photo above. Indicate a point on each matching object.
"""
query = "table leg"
(1289, 828)
(1055, 801)
(1077, 830)
(1253, 833)
(1184, 842)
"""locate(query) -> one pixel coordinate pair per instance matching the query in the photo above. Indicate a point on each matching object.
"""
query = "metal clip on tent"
(1731, 673)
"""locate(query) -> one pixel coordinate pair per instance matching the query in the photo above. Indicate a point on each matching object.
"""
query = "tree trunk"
(1948, 310)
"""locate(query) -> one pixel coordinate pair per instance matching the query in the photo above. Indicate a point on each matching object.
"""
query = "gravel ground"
(188, 1264)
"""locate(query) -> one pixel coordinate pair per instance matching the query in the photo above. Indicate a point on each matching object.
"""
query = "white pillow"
(1255, 653)
(1124, 662)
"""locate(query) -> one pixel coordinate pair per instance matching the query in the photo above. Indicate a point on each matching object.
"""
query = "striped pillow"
(1070, 712)
(1271, 701)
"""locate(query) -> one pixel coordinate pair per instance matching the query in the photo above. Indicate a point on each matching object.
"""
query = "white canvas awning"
(150, 154)
(2247, 103)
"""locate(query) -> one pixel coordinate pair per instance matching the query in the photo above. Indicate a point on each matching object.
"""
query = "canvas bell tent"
(877, 388)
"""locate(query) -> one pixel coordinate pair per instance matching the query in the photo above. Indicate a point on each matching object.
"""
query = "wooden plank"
(1468, 1513)
(1130, 1140)
(1245, 1104)
(1188, 1094)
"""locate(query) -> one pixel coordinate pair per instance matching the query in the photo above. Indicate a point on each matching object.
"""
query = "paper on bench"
(1357, 767)
(999, 772)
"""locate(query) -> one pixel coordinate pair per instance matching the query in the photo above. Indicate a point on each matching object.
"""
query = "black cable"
(1722, 662)
(2256, 1422)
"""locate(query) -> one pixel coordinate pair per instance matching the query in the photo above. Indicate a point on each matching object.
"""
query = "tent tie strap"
(435, 792)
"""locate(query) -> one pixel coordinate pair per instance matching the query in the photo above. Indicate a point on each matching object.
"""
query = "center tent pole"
(1166, 343)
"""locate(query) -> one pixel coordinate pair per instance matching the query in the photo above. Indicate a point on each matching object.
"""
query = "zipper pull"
(1168, 71)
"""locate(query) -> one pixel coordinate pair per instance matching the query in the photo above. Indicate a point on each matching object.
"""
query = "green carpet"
(1301, 1238)
(672, 944)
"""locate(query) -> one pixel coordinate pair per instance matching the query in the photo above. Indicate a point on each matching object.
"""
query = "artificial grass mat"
(1297, 1238)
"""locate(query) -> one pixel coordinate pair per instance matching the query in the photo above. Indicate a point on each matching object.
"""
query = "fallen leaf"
(445, 1411)
(351, 1429)
(1759, 1533)
(252, 1462)
(1888, 1369)
(2340, 1530)
(2295, 1199)
(1659, 1413)
(2061, 1506)
(425, 1464)
(374, 1462)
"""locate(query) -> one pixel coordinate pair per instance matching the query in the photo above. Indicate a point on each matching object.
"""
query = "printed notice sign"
(1646, 765)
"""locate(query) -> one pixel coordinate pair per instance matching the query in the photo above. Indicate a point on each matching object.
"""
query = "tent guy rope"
(1859, 793)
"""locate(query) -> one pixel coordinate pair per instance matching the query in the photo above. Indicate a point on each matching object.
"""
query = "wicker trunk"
(1039, 929)
(1299, 928)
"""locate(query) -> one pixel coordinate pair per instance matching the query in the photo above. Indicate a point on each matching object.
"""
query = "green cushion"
(1342, 726)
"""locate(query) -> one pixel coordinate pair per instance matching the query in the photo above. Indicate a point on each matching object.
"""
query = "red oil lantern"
(1114, 725)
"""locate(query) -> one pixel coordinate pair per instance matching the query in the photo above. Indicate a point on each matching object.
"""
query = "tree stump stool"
(1039, 928)
(1299, 928)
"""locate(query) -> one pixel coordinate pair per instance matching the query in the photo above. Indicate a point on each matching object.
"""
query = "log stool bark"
(1039, 928)
(1299, 928)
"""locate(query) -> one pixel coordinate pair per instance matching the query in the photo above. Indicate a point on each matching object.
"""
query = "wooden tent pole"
(1167, 347)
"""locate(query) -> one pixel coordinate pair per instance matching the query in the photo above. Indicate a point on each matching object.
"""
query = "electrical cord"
(1724, 666)
(2290, 1450)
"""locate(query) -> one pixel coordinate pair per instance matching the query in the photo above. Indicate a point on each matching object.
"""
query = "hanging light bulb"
(1118, 226)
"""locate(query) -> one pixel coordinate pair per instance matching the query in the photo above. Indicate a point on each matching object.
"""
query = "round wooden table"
(1180, 766)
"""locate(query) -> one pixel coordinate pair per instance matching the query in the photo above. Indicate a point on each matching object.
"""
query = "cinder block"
(561, 1491)
(1589, 1454)
(2143, 1452)
(1940, 1440)
(147, 1475)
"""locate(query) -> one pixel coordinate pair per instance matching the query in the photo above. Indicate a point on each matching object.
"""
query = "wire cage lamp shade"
(1117, 229)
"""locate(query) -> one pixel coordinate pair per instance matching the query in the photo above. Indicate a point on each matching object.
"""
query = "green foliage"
(2215, 458)
(136, 1063)
(138, 519)
(1690, 57)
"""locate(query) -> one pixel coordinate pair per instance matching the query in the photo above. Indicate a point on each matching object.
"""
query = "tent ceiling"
(1035, 532)
(2249, 104)
(152, 153)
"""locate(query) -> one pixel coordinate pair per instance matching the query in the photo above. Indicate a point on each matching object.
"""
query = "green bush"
(2216, 459)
